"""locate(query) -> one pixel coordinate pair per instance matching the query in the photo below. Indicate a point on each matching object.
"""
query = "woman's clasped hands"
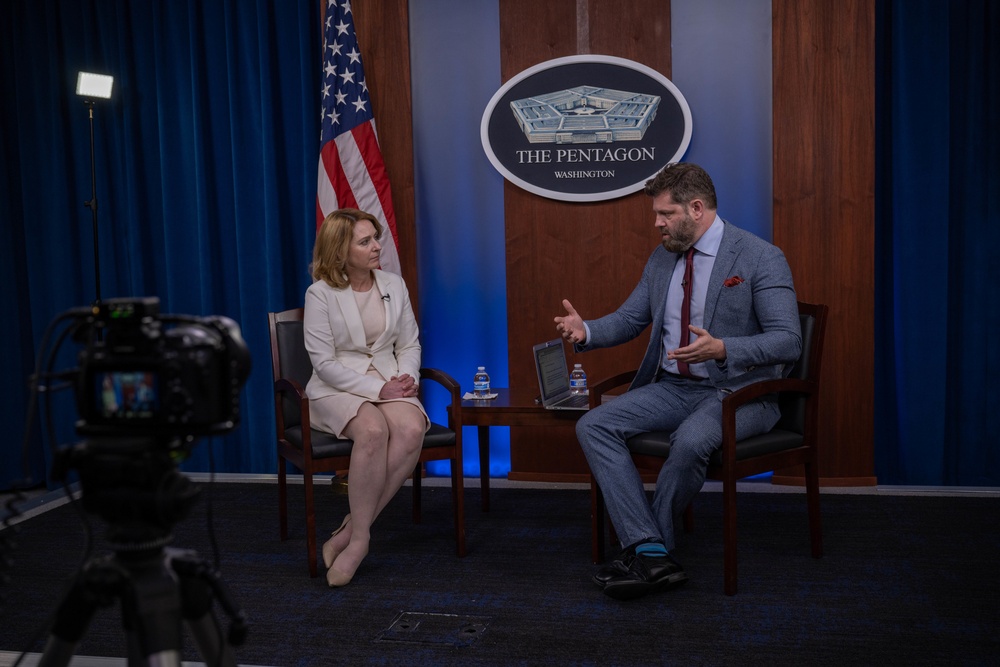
(399, 386)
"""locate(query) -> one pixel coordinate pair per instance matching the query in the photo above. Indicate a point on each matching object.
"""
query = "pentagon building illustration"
(585, 115)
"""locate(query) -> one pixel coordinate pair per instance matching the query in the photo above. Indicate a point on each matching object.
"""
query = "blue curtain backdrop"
(206, 172)
(938, 229)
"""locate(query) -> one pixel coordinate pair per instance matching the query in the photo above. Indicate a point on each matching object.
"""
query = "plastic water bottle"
(578, 380)
(481, 383)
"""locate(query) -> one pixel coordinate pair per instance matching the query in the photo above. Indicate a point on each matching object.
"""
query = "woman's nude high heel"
(329, 553)
(336, 578)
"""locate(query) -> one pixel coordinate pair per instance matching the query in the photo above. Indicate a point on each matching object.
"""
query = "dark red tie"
(682, 367)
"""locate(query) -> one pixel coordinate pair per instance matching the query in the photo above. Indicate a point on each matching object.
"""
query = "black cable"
(210, 526)
(209, 505)
(88, 531)
(9, 529)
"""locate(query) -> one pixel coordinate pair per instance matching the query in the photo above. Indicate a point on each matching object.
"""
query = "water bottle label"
(578, 383)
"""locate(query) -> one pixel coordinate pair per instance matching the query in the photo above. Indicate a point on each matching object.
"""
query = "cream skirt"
(332, 413)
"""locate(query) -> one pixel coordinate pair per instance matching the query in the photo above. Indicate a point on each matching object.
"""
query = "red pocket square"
(733, 282)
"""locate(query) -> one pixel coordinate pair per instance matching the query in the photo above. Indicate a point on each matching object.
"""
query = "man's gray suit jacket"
(750, 305)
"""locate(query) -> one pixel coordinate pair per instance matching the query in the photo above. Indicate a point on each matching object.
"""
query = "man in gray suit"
(740, 325)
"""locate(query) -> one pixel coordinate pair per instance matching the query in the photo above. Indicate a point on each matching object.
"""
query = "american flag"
(351, 171)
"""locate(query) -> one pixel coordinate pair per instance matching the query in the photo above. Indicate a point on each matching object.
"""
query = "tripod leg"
(208, 637)
(151, 613)
(200, 584)
(57, 653)
(97, 585)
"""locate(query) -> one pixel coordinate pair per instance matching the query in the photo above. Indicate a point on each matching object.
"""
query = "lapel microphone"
(386, 298)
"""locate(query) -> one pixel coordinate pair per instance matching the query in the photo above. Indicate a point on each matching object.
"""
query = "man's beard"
(683, 238)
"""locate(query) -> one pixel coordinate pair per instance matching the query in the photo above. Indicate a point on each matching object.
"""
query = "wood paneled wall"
(589, 253)
(824, 207)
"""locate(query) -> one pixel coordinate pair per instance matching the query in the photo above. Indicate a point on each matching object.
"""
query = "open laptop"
(553, 378)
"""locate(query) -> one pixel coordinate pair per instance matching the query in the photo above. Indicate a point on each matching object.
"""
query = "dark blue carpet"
(904, 581)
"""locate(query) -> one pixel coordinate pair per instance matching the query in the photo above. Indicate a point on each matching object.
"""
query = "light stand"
(93, 87)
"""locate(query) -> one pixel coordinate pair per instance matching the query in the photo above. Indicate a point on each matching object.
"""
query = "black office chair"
(791, 442)
(313, 451)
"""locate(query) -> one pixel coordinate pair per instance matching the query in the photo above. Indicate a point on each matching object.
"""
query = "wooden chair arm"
(453, 387)
(286, 386)
(443, 379)
(602, 387)
(749, 393)
(292, 389)
(754, 391)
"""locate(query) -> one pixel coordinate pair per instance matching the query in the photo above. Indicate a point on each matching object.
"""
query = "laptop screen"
(550, 364)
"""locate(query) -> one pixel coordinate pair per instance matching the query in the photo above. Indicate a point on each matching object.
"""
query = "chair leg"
(729, 537)
(812, 506)
(596, 522)
(458, 502)
(612, 533)
(282, 500)
(689, 518)
(418, 473)
(484, 466)
(310, 522)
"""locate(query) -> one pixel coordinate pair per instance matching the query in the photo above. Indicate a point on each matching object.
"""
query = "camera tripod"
(158, 589)
(137, 489)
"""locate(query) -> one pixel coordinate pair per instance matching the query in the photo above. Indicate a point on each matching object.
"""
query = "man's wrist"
(720, 355)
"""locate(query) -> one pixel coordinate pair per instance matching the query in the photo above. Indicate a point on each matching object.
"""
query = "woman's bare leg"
(406, 426)
(365, 488)
(406, 438)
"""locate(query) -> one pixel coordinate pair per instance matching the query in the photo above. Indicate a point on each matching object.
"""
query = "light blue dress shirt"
(706, 249)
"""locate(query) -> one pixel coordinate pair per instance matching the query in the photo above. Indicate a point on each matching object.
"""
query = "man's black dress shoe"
(615, 568)
(645, 574)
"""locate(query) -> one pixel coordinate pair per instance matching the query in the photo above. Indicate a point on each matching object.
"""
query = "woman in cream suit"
(362, 339)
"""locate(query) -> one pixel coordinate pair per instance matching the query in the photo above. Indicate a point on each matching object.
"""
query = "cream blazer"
(335, 339)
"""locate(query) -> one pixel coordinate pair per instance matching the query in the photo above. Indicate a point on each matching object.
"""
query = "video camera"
(139, 377)
(146, 386)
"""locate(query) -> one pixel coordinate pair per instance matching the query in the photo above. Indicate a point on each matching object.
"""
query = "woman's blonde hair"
(333, 242)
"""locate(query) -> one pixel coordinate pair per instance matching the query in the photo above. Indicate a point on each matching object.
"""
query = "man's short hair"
(685, 181)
